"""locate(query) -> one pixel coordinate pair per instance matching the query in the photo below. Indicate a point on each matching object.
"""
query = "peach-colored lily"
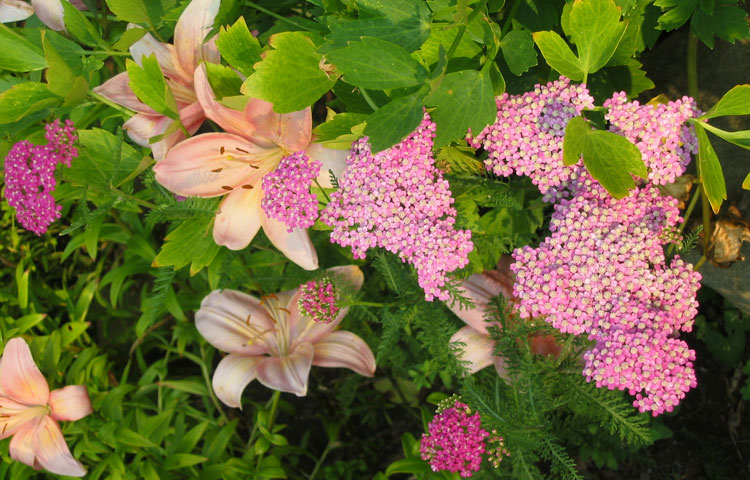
(178, 62)
(30, 412)
(481, 288)
(234, 162)
(50, 12)
(271, 340)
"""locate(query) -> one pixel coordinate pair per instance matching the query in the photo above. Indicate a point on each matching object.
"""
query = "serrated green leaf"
(148, 84)
(710, 171)
(140, 11)
(190, 243)
(575, 140)
(238, 47)
(726, 22)
(338, 130)
(735, 102)
(79, 26)
(464, 101)
(289, 76)
(596, 30)
(128, 38)
(62, 78)
(518, 51)
(676, 13)
(410, 34)
(394, 121)
(95, 165)
(24, 99)
(377, 64)
(224, 81)
(19, 55)
(459, 160)
(558, 54)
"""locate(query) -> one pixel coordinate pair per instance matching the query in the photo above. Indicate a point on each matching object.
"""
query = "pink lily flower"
(50, 12)
(271, 340)
(177, 62)
(233, 163)
(30, 412)
(481, 288)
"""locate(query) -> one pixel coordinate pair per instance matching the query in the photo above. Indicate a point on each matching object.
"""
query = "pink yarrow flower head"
(527, 137)
(50, 12)
(178, 63)
(398, 200)
(256, 142)
(318, 300)
(30, 176)
(29, 413)
(271, 339)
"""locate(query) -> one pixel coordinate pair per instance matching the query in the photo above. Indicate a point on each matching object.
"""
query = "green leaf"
(22, 285)
(676, 12)
(290, 76)
(24, 99)
(746, 183)
(140, 11)
(596, 30)
(518, 51)
(394, 121)
(19, 55)
(62, 78)
(182, 460)
(79, 26)
(130, 438)
(377, 64)
(337, 132)
(194, 387)
(726, 22)
(224, 81)
(709, 169)
(741, 138)
(735, 102)
(128, 38)
(575, 140)
(238, 47)
(149, 86)
(413, 465)
(464, 101)
(190, 243)
(96, 166)
(558, 54)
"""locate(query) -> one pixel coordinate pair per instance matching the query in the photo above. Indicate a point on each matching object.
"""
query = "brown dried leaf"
(729, 234)
(680, 189)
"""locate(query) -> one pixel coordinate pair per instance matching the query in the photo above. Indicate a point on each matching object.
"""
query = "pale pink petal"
(211, 164)
(232, 375)
(346, 350)
(69, 403)
(333, 160)
(117, 90)
(238, 219)
(141, 128)
(235, 322)
(478, 349)
(15, 416)
(295, 245)
(191, 29)
(290, 131)
(165, 54)
(14, 11)
(230, 120)
(52, 452)
(22, 448)
(183, 95)
(480, 288)
(500, 368)
(20, 379)
(288, 373)
(50, 12)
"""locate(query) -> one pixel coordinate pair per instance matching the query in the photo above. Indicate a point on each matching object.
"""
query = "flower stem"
(277, 16)
(320, 461)
(368, 99)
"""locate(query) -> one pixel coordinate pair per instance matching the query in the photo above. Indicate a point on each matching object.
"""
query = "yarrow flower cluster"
(455, 440)
(527, 137)
(287, 195)
(318, 301)
(30, 176)
(398, 200)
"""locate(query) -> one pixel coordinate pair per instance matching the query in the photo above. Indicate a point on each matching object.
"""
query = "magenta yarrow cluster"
(398, 200)
(286, 191)
(455, 439)
(527, 138)
(318, 301)
(30, 176)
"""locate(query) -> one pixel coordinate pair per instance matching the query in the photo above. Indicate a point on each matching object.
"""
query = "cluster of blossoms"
(30, 176)
(398, 200)
(287, 191)
(455, 440)
(318, 301)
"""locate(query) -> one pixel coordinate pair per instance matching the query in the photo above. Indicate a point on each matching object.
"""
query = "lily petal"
(232, 375)
(333, 160)
(230, 120)
(191, 29)
(166, 56)
(478, 349)
(22, 448)
(141, 128)
(288, 373)
(70, 403)
(290, 131)
(501, 369)
(347, 350)
(118, 90)
(211, 164)
(235, 322)
(295, 245)
(20, 379)
(52, 452)
(14, 11)
(480, 288)
(14, 416)
(50, 12)
(238, 219)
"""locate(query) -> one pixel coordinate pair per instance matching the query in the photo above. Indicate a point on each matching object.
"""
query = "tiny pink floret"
(287, 197)
(318, 301)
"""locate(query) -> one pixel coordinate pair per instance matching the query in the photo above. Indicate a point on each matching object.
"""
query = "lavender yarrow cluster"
(398, 200)
(286, 191)
(527, 137)
(30, 176)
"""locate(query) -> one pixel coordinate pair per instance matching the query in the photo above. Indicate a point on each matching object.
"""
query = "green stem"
(276, 15)
(271, 419)
(700, 263)
(368, 99)
(507, 23)
(322, 190)
(462, 29)
(320, 461)
(143, 203)
(688, 212)
(110, 53)
(366, 304)
(210, 388)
